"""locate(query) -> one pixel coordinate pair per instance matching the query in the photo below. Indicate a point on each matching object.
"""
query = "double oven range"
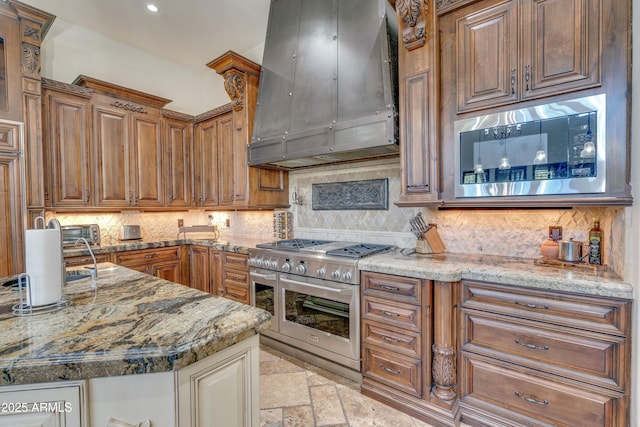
(312, 289)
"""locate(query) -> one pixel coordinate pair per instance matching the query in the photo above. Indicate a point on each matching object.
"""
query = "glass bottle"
(595, 243)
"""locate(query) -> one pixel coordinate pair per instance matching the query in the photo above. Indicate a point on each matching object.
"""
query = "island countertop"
(448, 267)
(125, 323)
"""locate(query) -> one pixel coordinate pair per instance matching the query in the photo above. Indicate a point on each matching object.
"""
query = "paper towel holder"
(22, 309)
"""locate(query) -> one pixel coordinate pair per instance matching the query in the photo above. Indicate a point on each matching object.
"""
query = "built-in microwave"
(71, 234)
(555, 148)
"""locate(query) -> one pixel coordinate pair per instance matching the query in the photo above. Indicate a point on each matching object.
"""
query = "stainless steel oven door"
(323, 317)
(263, 295)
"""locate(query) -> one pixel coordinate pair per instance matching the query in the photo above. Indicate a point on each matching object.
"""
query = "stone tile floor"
(297, 394)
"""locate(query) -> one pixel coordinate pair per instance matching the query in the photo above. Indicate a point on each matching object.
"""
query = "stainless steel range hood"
(328, 90)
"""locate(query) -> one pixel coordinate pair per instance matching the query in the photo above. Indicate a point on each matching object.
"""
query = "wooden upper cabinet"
(227, 161)
(177, 162)
(67, 147)
(10, 87)
(128, 149)
(112, 157)
(11, 218)
(147, 170)
(525, 49)
(206, 154)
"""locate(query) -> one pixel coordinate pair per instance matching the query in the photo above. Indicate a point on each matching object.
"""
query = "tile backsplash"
(517, 232)
(512, 232)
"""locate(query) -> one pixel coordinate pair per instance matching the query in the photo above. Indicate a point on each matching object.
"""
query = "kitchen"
(491, 232)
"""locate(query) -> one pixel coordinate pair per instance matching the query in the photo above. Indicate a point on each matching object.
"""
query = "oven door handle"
(269, 276)
(347, 292)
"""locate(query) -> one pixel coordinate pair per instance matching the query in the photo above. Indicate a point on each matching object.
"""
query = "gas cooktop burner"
(359, 250)
(292, 244)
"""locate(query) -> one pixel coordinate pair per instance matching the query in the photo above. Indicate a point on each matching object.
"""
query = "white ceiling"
(188, 32)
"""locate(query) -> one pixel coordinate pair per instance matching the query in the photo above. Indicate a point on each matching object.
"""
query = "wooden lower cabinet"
(74, 261)
(199, 269)
(235, 277)
(541, 358)
(160, 262)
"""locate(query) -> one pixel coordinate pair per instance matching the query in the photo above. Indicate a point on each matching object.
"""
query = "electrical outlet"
(180, 222)
(555, 232)
(227, 223)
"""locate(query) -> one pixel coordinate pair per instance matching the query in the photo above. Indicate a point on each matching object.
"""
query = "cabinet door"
(112, 157)
(205, 161)
(561, 46)
(11, 226)
(227, 159)
(215, 268)
(147, 173)
(177, 163)
(199, 268)
(487, 46)
(169, 270)
(67, 150)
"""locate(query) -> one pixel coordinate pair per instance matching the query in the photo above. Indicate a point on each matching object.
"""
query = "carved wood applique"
(444, 372)
(235, 87)
(413, 22)
(30, 58)
(31, 32)
(129, 106)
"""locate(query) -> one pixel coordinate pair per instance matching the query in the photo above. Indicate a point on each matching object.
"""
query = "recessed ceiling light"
(152, 7)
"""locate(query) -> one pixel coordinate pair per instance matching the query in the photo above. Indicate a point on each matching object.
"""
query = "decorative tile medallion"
(351, 195)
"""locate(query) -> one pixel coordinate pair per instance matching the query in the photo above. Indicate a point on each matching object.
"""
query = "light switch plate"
(180, 222)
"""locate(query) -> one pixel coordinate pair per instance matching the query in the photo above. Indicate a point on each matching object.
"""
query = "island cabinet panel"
(177, 163)
(397, 339)
(536, 357)
(222, 390)
(59, 404)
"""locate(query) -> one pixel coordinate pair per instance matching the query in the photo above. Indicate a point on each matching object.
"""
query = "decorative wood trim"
(31, 32)
(236, 70)
(170, 114)
(445, 6)
(67, 88)
(235, 84)
(30, 58)
(213, 113)
(412, 22)
(129, 107)
(120, 91)
(444, 355)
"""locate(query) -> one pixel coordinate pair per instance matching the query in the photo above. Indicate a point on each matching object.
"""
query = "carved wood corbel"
(234, 84)
(30, 58)
(412, 15)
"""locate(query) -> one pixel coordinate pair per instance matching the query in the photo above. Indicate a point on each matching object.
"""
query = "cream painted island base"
(131, 348)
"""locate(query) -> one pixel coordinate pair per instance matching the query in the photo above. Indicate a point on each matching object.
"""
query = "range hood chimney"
(328, 90)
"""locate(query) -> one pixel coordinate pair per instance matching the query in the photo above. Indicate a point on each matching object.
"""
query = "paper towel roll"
(44, 266)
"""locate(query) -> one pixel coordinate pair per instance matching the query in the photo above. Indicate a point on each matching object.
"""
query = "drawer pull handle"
(390, 288)
(389, 370)
(150, 256)
(524, 304)
(390, 339)
(235, 295)
(531, 399)
(531, 346)
(388, 313)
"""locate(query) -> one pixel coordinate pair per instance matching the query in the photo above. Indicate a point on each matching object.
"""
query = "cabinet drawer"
(522, 393)
(147, 256)
(392, 339)
(594, 358)
(237, 293)
(392, 313)
(404, 289)
(593, 313)
(73, 261)
(394, 370)
(239, 278)
(234, 260)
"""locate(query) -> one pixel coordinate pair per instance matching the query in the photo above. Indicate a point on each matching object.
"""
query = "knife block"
(431, 242)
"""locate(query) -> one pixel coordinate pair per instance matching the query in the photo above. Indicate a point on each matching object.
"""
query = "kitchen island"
(132, 347)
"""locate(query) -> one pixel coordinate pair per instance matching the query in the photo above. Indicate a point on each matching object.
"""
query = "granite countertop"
(498, 269)
(237, 245)
(125, 323)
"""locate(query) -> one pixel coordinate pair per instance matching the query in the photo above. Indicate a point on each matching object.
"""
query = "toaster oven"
(71, 234)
